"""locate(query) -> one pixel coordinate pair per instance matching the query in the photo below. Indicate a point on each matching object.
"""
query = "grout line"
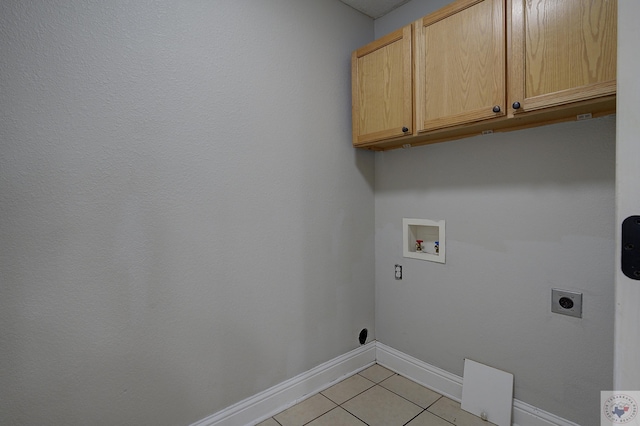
(374, 384)
(414, 417)
(359, 393)
(354, 415)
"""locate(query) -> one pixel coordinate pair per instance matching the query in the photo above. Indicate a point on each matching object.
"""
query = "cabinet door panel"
(382, 88)
(460, 64)
(563, 51)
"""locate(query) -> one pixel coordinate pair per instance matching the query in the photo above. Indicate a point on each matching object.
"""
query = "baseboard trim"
(527, 415)
(434, 378)
(280, 397)
(450, 385)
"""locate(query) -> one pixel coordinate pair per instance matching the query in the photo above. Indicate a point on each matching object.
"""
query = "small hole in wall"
(363, 336)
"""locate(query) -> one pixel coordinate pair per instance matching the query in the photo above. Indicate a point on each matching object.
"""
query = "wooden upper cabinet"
(382, 99)
(479, 66)
(460, 54)
(561, 52)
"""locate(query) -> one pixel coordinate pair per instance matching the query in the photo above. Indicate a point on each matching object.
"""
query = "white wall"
(525, 212)
(627, 373)
(183, 220)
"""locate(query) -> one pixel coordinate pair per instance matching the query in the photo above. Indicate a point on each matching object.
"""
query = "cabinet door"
(561, 52)
(382, 100)
(460, 64)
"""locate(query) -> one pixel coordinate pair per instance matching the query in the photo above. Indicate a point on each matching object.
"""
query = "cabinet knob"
(516, 105)
(496, 108)
(405, 130)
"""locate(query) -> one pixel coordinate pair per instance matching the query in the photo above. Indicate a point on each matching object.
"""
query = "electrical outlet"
(566, 302)
(398, 272)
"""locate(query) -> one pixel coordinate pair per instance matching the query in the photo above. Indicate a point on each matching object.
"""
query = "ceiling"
(374, 8)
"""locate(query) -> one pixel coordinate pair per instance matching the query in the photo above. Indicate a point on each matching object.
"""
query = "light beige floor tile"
(410, 390)
(427, 419)
(376, 373)
(305, 411)
(337, 417)
(269, 422)
(451, 411)
(378, 406)
(347, 389)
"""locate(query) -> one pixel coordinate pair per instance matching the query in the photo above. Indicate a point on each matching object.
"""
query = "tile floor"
(376, 397)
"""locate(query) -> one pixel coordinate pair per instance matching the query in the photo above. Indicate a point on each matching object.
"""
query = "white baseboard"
(450, 385)
(280, 397)
(434, 378)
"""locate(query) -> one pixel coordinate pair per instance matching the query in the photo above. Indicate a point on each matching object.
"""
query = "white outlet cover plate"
(489, 390)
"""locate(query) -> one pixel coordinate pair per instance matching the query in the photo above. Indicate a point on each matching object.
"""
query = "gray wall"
(406, 14)
(184, 222)
(525, 212)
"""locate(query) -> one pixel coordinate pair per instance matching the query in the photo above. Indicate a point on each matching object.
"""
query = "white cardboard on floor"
(487, 390)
